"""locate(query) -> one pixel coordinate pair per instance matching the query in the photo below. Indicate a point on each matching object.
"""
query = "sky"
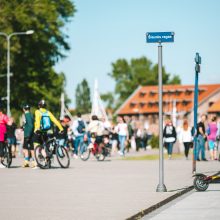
(103, 31)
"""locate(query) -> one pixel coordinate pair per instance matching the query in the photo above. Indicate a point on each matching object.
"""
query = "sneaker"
(75, 156)
(25, 164)
(204, 159)
(35, 168)
(169, 157)
(33, 164)
(81, 156)
(2, 166)
(198, 159)
(120, 153)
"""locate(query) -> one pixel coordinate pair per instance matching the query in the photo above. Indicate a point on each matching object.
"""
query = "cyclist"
(3, 123)
(28, 126)
(43, 119)
(95, 129)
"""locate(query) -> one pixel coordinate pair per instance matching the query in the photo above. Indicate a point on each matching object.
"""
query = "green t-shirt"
(28, 125)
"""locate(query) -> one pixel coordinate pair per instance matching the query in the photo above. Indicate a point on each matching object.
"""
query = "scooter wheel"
(200, 184)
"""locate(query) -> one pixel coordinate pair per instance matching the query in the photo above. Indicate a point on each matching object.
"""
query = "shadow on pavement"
(13, 167)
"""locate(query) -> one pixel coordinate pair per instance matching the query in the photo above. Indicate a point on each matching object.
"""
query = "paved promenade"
(194, 205)
(113, 189)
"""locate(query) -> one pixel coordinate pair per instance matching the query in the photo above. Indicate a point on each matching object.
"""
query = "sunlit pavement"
(113, 189)
(194, 205)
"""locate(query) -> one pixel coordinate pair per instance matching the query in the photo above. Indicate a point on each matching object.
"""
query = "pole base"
(161, 188)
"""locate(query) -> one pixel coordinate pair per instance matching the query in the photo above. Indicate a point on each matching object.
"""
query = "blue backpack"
(45, 122)
(81, 127)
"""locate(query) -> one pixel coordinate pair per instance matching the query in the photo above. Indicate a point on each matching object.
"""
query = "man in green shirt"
(28, 148)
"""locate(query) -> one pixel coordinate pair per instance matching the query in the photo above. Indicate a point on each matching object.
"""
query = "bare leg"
(211, 154)
(26, 158)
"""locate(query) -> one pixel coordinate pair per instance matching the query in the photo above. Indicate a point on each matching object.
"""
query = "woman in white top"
(185, 137)
(122, 130)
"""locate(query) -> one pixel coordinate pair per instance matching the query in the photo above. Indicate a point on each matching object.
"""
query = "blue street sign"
(160, 37)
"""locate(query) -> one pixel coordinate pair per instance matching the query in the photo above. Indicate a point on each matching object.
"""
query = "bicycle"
(100, 151)
(7, 158)
(44, 153)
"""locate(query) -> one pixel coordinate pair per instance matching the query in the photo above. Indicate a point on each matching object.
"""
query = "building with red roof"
(144, 100)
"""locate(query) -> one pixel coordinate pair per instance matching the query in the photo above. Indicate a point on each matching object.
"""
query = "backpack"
(81, 127)
(45, 122)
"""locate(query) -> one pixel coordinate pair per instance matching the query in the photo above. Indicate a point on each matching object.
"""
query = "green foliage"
(129, 75)
(83, 99)
(108, 98)
(33, 56)
(154, 141)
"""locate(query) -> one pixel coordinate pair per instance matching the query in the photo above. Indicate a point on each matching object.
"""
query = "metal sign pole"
(195, 121)
(196, 91)
(160, 37)
(161, 187)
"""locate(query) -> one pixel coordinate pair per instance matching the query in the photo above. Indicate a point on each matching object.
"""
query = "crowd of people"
(119, 136)
(126, 133)
(206, 135)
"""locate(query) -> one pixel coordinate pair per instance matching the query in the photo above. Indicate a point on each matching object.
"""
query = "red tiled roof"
(145, 98)
(215, 107)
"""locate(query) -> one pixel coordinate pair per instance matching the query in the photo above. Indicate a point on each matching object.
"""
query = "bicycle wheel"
(7, 160)
(40, 156)
(84, 151)
(62, 156)
(100, 155)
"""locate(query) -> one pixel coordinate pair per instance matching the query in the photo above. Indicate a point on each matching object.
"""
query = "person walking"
(114, 139)
(28, 147)
(3, 122)
(123, 136)
(212, 133)
(218, 138)
(78, 129)
(11, 138)
(169, 134)
(201, 138)
(185, 137)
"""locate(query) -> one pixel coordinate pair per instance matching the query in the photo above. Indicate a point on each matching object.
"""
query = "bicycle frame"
(46, 143)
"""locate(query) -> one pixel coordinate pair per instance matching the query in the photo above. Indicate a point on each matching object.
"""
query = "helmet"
(42, 104)
(26, 106)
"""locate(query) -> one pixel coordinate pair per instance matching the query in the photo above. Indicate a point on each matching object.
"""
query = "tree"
(83, 99)
(33, 57)
(129, 75)
(108, 98)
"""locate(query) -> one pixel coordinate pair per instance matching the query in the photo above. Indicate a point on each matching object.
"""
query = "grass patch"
(152, 157)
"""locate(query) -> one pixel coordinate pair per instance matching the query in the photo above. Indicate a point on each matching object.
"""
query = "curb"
(144, 212)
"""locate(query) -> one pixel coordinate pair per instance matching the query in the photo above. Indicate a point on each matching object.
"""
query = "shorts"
(212, 145)
(28, 143)
(11, 141)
